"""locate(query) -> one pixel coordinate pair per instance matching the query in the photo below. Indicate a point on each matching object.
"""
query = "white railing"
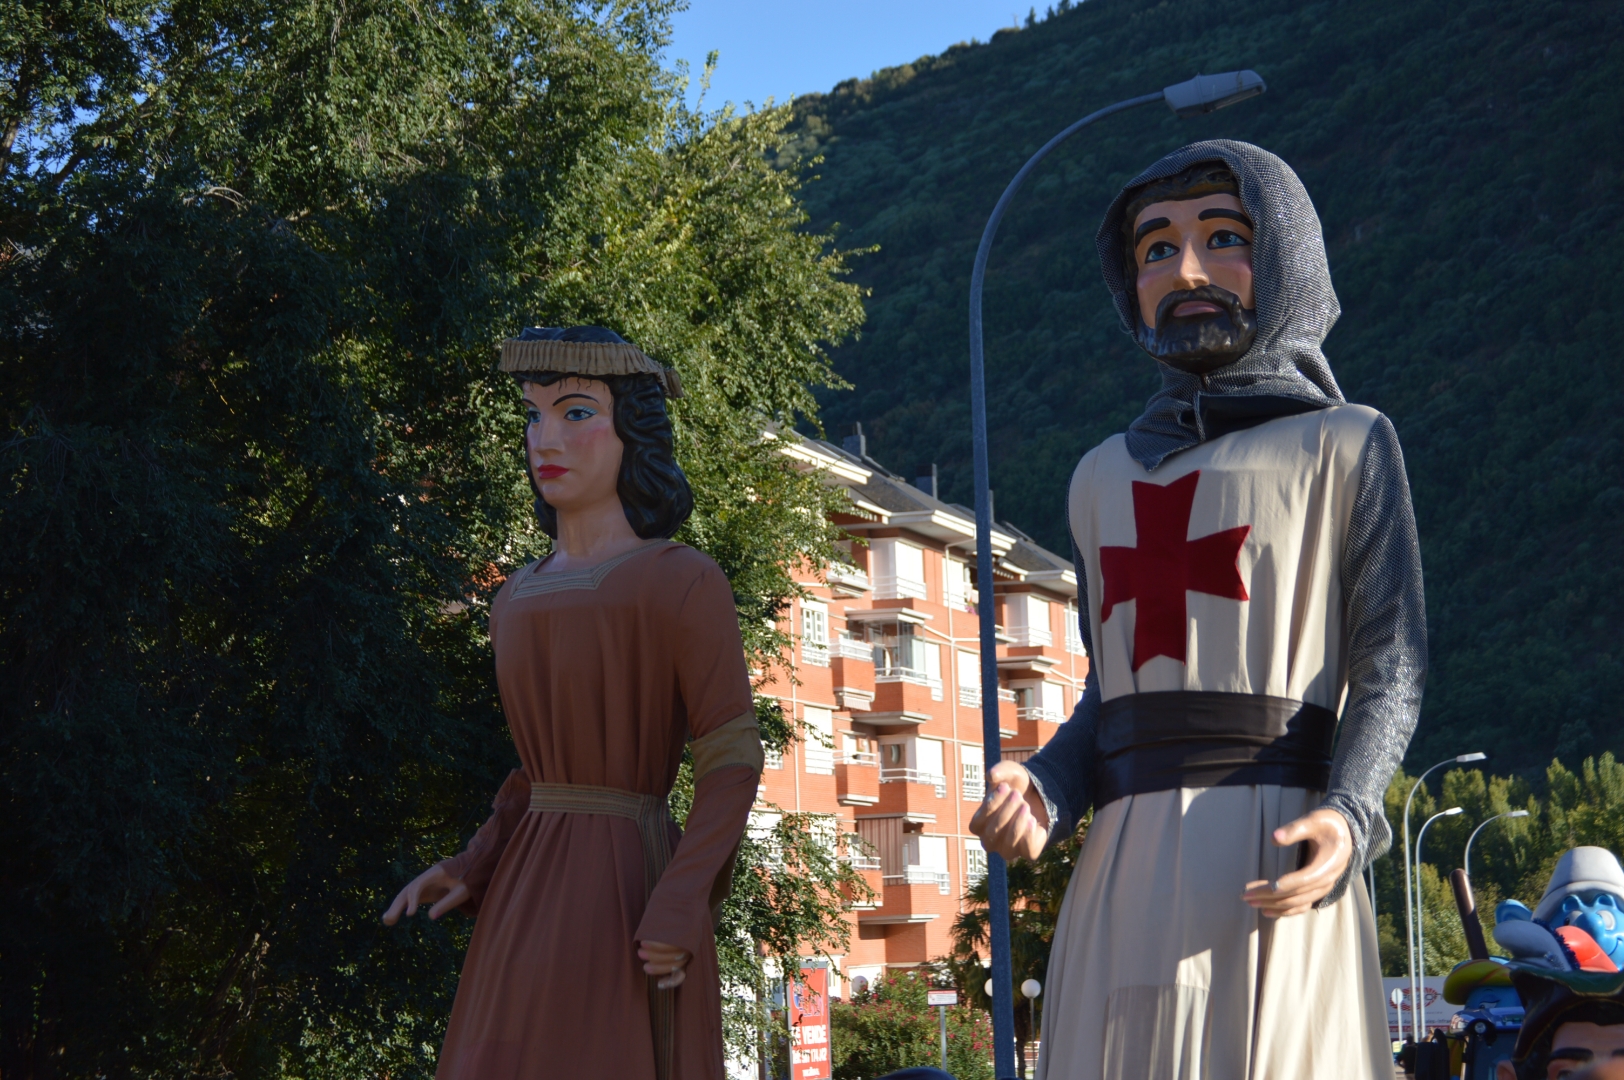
(908, 675)
(970, 697)
(974, 789)
(920, 875)
(856, 757)
(863, 862)
(851, 649)
(1038, 712)
(891, 587)
(838, 574)
(814, 655)
(915, 776)
(1006, 695)
(1028, 635)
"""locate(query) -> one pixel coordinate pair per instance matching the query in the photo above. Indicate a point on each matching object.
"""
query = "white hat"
(1579, 869)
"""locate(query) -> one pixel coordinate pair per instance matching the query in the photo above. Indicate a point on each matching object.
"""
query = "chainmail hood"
(1284, 371)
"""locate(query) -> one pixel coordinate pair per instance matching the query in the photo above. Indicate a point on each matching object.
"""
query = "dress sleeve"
(1387, 649)
(477, 862)
(715, 688)
(1063, 771)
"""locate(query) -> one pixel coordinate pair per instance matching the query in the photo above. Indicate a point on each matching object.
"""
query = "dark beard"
(1199, 344)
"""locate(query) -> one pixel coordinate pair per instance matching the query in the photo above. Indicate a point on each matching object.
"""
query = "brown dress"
(603, 674)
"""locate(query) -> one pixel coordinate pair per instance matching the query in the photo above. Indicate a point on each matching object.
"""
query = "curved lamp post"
(1418, 1003)
(1466, 860)
(1202, 94)
(1412, 902)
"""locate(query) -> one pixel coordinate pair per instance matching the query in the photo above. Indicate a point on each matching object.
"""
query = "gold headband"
(590, 359)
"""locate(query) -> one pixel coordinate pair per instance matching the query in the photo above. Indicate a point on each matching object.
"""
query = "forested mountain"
(1465, 156)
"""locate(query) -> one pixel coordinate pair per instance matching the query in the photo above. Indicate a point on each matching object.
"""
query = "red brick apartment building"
(887, 660)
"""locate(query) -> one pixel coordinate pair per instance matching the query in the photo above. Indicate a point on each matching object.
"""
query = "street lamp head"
(1209, 93)
(1031, 988)
(1518, 813)
(1451, 812)
(1464, 758)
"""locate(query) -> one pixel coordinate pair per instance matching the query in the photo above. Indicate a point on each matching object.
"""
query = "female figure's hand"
(667, 960)
(432, 886)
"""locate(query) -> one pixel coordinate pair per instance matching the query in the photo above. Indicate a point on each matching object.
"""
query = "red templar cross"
(1165, 565)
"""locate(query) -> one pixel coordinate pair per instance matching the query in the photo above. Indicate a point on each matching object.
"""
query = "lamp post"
(1411, 903)
(1418, 1002)
(1202, 94)
(1466, 860)
(1030, 989)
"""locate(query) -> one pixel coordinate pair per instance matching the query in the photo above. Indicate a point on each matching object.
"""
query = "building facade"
(886, 689)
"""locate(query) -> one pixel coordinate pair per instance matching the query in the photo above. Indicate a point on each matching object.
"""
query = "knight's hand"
(664, 960)
(1012, 821)
(1330, 846)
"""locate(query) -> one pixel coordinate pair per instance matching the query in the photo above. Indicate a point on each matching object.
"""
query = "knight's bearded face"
(1193, 269)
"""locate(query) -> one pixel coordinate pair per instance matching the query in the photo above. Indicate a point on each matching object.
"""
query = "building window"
(899, 569)
(1074, 636)
(975, 863)
(1026, 618)
(814, 633)
(902, 654)
(969, 680)
(1041, 701)
(974, 787)
(819, 740)
(956, 589)
(775, 758)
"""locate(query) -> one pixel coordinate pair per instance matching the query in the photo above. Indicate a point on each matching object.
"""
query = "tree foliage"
(1464, 158)
(890, 1026)
(260, 480)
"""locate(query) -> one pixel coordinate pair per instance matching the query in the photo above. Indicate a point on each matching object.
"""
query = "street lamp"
(1418, 1003)
(1466, 860)
(1202, 94)
(1411, 902)
(1030, 989)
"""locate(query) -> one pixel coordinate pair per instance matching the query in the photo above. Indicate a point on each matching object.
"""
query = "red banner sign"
(809, 1025)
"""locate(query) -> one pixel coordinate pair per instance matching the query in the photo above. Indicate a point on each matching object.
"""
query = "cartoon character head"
(1599, 914)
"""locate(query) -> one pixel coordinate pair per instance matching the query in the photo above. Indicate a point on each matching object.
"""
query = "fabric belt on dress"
(652, 816)
(1189, 738)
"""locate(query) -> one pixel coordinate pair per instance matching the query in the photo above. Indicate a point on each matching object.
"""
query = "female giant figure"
(593, 953)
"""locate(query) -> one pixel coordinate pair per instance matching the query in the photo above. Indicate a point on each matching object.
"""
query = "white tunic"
(1219, 572)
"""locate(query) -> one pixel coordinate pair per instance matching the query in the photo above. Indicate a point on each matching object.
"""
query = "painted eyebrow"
(1571, 1053)
(1149, 227)
(1222, 212)
(566, 397)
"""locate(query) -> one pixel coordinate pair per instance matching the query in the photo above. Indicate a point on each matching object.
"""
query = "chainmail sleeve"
(1063, 770)
(1387, 649)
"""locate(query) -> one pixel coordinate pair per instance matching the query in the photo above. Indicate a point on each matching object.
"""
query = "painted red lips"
(551, 472)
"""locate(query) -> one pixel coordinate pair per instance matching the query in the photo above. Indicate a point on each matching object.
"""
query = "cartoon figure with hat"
(1586, 893)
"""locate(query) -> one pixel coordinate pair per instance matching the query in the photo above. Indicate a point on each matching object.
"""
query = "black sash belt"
(1190, 738)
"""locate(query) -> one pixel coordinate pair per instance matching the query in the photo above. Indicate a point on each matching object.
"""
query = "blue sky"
(780, 48)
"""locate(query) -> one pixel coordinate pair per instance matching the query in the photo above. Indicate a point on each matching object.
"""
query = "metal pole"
(941, 1012)
(1412, 899)
(1418, 1002)
(1003, 1005)
(1466, 860)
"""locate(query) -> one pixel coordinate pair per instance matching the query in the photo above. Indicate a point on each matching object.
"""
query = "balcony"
(846, 580)
(1038, 712)
(921, 875)
(931, 683)
(857, 779)
(892, 587)
(974, 788)
(851, 649)
(915, 776)
(970, 696)
(814, 655)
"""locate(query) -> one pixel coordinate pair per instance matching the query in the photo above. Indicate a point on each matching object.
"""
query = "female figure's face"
(570, 443)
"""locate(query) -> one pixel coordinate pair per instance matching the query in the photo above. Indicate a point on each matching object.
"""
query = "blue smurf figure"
(1587, 892)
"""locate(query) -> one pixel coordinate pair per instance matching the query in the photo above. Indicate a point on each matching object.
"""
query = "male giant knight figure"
(1247, 558)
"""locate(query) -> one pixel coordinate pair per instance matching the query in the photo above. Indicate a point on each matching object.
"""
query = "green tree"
(890, 1026)
(1037, 888)
(261, 480)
